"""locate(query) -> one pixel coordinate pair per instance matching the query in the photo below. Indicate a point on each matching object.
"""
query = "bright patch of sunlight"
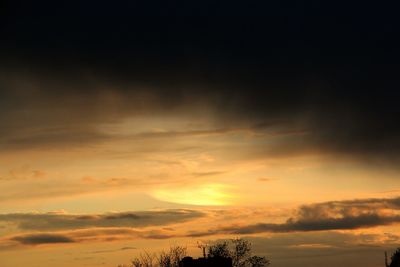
(203, 195)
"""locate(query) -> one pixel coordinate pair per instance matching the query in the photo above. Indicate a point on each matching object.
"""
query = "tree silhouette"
(170, 258)
(256, 261)
(145, 259)
(240, 252)
(220, 249)
(236, 251)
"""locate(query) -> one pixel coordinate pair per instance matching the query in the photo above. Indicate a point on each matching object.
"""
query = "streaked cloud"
(96, 234)
(318, 217)
(38, 239)
(112, 250)
(335, 215)
(54, 222)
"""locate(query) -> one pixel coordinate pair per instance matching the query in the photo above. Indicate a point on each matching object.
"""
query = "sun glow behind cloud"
(202, 195)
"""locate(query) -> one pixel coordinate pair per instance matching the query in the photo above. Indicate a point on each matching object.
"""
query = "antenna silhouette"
(202, 246)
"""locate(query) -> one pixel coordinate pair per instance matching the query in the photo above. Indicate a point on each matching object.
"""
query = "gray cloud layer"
(335, 215)
(319, 217)
(95, 234)
(54, 222)
(38, 239)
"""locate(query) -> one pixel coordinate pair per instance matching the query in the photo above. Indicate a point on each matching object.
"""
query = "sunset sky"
(133, 126)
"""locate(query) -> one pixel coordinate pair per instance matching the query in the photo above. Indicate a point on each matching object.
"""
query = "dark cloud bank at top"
(326, 68)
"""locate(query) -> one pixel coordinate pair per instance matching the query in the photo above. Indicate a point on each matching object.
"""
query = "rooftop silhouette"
(395, 259)
(206, 262)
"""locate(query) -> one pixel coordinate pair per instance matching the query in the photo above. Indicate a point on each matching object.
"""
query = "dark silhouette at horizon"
(231, 253)
(206, 262)
(395, 259)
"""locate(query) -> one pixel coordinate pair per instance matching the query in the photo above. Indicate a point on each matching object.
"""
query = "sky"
(133, 126)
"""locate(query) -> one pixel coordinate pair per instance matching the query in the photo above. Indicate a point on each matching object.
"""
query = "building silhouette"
(206, 262)
(395, 259)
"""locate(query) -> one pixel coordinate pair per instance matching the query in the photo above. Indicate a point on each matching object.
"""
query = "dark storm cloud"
(43, 222)
(335, 215)
(328, 69)
(38, 239)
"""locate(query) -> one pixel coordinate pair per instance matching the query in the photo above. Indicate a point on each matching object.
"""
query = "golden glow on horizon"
(166, 163)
